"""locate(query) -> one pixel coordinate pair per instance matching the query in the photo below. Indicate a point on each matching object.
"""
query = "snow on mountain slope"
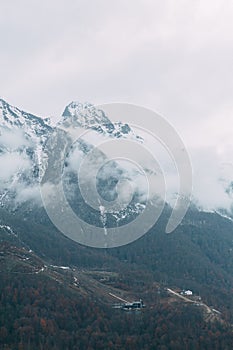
(21, 132)
(22, 141)
(13, 118)
(23, 137)
(87, 116)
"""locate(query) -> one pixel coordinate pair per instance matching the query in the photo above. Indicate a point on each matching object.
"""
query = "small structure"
(135, 305)
(126, 305)
(186, 292)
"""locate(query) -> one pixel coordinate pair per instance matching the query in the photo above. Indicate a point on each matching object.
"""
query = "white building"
(188, 292)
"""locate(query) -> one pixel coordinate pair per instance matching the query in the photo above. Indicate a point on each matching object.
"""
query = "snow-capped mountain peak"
(87, 116)
(12, 117)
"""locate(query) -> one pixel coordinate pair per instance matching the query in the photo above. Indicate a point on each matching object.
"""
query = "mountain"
(57, 294)
(25, 135)
(24, 142)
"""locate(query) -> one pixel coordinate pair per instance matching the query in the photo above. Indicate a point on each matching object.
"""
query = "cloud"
(28, 193)
(12, 140)
(211, 178)
(12, 164)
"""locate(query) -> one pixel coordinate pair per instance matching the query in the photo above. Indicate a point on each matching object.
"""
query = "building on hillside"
(134, 305)
(186, 292)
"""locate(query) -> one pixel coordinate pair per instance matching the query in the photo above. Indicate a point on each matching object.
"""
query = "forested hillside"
(43, 308)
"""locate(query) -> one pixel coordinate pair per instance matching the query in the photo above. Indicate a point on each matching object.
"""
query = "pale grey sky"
(175, 57)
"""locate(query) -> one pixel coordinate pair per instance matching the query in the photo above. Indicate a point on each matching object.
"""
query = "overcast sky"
(175, 57)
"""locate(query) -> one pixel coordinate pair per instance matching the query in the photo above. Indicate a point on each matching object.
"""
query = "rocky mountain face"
(22, 136)
(86, 116)
(23, 140)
